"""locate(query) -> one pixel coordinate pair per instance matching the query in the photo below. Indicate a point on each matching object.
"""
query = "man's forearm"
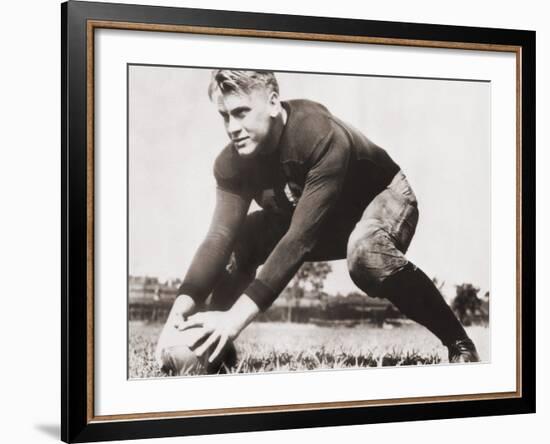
(320, 195)
(213, 253)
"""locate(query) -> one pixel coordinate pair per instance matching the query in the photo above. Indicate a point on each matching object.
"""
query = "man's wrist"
(243, 311)
(261, 294)
(191, 290)
(184, 304)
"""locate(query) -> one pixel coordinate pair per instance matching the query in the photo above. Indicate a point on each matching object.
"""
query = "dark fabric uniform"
(313, 190)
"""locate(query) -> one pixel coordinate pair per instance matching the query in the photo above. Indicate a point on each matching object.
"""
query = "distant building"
(151, 300)
(144, 288)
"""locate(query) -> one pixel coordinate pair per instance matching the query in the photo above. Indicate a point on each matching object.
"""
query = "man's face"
(248, 119)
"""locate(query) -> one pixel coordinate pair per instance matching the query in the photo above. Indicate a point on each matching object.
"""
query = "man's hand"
(183, 307)
(221, 327)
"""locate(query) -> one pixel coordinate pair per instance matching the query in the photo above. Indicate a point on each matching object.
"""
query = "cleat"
(462, 351)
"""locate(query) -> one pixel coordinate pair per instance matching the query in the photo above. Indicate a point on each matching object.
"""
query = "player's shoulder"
(308, 119)
(228, 164)
(309, 123)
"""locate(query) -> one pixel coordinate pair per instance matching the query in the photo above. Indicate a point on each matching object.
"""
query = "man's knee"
(371, 259)
(241, 263)
(365, 267)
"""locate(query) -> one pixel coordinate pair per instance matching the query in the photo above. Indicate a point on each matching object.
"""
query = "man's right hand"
(183, 307)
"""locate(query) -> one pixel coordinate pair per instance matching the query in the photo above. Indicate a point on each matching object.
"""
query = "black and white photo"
(292, 221)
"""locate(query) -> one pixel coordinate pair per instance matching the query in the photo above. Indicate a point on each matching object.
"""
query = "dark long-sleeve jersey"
(322, 175)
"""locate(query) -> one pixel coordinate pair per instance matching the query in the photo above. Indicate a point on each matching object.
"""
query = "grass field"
(266, 347)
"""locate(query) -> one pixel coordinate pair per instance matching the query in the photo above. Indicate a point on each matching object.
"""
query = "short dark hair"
(227, 81)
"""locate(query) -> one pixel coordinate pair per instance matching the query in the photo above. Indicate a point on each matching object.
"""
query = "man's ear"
(274, 104)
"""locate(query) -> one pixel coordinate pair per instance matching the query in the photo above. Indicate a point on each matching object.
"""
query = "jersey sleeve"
(213, 253)
(327, 167)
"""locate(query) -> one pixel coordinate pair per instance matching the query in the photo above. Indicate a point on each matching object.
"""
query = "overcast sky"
(438, 131)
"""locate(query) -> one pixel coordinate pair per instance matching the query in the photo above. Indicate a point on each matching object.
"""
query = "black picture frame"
(78, 423)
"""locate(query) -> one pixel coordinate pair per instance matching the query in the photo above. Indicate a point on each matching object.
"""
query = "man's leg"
(415, 295)
(378, 266)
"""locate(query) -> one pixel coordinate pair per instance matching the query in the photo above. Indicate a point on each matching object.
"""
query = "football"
(177, 359)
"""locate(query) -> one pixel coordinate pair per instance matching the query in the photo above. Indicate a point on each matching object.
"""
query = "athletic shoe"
(462, 351)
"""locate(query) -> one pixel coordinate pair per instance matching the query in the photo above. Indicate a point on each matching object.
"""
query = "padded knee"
(365, 269)
(371, 258)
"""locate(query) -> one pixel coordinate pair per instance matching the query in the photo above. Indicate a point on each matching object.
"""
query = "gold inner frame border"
(92, 25)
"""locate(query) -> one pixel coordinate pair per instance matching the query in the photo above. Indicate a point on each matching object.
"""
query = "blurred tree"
(466, 304)
(310, 277)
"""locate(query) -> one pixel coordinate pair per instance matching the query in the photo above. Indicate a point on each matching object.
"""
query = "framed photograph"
(275, 221)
